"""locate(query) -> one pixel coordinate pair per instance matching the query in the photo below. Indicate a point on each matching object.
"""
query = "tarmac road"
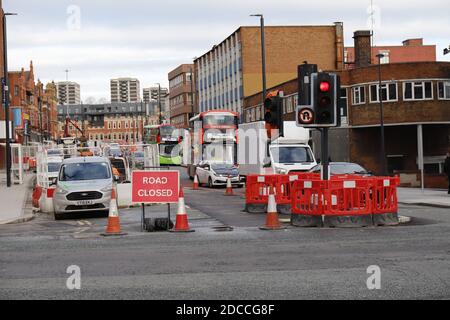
(245, 263)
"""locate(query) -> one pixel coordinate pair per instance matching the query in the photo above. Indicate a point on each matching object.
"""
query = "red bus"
(214, 138)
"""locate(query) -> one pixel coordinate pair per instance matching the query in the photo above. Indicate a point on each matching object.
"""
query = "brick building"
(231, 70)
(416, 99)
(119, 122)
(412, 50)
(181, 95)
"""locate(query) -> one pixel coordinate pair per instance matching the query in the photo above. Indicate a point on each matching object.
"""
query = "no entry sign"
(156, 186)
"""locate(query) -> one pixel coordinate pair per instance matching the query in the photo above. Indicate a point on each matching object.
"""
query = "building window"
(343, 106)
(418, 90)
(359, 95)
(114, 125)
(444, 90)
(388, 92)
(385, 59)
(16, 91)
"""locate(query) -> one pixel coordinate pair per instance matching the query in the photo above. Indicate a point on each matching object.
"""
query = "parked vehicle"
(83, 185)
(53, 166)
(287, 154)
(344, 168)
(121, 164)
(216, 174)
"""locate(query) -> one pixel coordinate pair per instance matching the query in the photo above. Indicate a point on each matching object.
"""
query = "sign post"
(155, 187)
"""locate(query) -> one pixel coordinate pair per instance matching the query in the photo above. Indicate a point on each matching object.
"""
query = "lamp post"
(380, 97)
(6, 98)
(263, 55)
(159, 103)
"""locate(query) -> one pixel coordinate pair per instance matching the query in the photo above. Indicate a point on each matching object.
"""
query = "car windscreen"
(222, 166)
(347, 168)
(54, 166)
(219, 120)
(167, 131)
(291, 155)
(85, 171)
(138, 155)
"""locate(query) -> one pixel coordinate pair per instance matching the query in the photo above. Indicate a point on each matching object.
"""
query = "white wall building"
(219, 81)
(68, 92)
(125, 90)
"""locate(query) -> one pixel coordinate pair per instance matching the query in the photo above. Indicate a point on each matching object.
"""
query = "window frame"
(443, 82)
(359, 92)
(387, 85)
(413, 86)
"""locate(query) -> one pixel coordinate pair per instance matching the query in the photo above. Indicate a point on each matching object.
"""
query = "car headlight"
(60, 190)
(106, 189)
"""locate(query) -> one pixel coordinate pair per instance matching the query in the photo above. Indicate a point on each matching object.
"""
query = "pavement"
(15, 202)
(427, 197)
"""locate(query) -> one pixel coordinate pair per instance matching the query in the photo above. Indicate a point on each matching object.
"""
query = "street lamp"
(380, 97)
(159, 103)
(6, 98)
(263, 55)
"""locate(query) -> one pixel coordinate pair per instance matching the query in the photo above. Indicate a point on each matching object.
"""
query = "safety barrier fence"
(307, 194)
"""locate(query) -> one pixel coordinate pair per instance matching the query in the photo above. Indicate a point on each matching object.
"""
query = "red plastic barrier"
(385, 194)
(37, 193)
(50, 192)
(257, 188)
(348, 197)
(308, 197)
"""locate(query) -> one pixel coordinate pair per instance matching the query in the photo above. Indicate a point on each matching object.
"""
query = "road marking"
(82, 230)
(80, 223)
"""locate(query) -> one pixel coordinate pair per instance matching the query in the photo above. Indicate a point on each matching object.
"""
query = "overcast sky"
(102, 39)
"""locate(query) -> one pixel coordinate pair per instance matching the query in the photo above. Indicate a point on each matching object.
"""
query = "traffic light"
(273, 112)
(325, 99)
(323, 110)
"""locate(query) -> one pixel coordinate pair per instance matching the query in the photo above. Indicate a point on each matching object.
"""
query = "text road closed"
(156, 186)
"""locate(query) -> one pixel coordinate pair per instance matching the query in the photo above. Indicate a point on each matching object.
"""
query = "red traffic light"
(324, 86)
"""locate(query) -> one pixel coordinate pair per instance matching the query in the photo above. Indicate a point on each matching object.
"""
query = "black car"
(344, 168)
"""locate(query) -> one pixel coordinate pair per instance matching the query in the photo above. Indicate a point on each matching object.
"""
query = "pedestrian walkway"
(427, 197)
(14, 200)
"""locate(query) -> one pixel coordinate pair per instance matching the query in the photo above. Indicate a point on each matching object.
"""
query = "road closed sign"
(156, 186)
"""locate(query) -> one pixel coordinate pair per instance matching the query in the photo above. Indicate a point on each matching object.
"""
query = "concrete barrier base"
(284, 208)
(347, 221)
(256, 208)
(298, 220)
(386, 219)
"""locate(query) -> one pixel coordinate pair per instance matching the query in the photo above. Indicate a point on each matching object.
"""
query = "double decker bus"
(168, 140)
(214, 138)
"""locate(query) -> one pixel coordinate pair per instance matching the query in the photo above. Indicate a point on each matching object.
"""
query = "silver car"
(84, 184)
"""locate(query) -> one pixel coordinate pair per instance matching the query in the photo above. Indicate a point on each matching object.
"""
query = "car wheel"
(210, 183)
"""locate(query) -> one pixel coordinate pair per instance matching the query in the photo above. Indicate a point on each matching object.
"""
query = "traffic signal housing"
(325, 101)
(273, 112)
(323, 110)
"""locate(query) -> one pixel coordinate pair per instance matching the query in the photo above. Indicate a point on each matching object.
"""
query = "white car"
(216, 174)
(53, 166)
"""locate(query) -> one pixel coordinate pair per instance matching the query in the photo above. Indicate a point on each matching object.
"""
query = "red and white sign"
(156, 186)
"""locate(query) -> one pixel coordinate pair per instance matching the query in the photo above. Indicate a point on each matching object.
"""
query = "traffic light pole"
(325, 154)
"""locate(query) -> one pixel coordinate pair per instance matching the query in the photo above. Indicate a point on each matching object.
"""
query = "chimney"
(363, 48)
(413, 42)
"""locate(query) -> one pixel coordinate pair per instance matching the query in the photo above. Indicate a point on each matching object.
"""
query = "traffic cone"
(182, 224)
(272, 221)
(196, 185)
(229, 191)
(113, 228)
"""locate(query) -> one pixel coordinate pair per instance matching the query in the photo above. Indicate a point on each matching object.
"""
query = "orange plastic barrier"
(348, 197)
(257, 192)
(308, 196)
(385, 194)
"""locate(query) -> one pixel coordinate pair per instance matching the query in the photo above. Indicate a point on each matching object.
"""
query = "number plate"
(85, 202)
